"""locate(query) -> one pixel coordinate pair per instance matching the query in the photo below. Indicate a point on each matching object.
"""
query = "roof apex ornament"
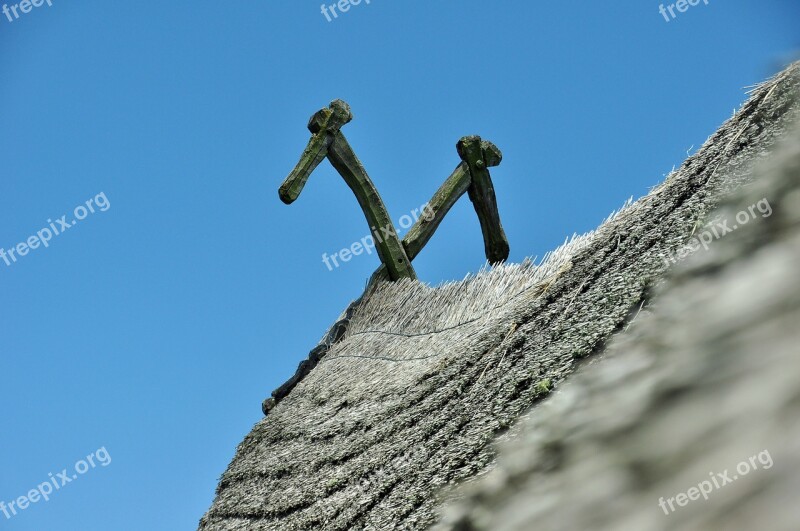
(472, 176)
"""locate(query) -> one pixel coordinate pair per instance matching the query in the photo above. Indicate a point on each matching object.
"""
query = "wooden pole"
(390, 250)
(328, 141)
(440, 204)
(479, 155)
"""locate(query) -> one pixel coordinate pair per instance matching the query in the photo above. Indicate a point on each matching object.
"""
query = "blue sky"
(155, 328)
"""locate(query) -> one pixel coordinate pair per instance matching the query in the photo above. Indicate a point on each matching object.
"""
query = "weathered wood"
(491, 154)
(471, 176)
(328, 141)
(437, 208)
(314, 153)
(390, 250)
(478, 155)
(440, 204)
(323, 124)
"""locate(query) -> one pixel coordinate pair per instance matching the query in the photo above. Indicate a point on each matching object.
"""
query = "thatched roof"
(425, 379)
(705, 379)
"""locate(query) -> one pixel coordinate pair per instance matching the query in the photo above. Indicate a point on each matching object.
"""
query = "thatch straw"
(707, 380)
(426, 378)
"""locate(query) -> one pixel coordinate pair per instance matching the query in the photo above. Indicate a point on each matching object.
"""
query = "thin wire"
(401, 334)
(508, 301)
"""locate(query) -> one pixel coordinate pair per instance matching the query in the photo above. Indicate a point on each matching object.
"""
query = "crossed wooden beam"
(470, 176)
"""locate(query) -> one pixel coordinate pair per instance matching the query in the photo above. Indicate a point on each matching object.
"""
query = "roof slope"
(707, 380)
(424, 379)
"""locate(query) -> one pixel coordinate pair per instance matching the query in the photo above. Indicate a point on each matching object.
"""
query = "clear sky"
(152, 329)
